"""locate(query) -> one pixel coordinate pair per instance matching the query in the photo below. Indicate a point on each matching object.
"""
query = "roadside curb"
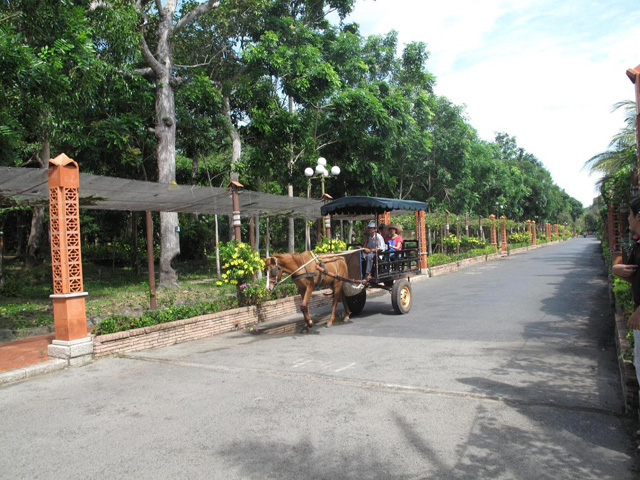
(19, 374)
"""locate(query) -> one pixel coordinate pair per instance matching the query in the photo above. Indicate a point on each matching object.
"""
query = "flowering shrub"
(239, 263)
(465, 243)
(327, 246)
(254, 293)
(450, 241)
(519, 237)
(472, 243)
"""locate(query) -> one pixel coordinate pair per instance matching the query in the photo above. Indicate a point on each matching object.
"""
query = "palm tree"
(622, 151)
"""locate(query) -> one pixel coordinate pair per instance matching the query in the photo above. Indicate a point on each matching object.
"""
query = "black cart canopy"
(354, 206)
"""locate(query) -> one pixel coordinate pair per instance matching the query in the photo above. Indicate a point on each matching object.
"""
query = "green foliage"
(253, 293)
(16, 316)
(239, 263)
(465, 243)
(622, 294)
(436, 259)
(519, 238)
(327, 246)
(118, 323)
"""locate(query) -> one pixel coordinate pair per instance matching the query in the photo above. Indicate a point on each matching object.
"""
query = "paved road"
(505, 370)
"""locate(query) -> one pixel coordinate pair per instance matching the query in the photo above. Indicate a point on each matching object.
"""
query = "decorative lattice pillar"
(69, 315)
(384, 217)
(616, 247)
(503, 234)
(494, 235)
(534, 238)
(421, 234)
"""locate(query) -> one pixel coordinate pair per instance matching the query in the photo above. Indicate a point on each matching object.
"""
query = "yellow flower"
(219, 283)
(224, 275)
(233, 282)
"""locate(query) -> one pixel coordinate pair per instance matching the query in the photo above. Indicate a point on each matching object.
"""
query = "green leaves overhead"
(292, 86)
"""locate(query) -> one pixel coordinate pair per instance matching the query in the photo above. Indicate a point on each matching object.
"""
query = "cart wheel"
(401, 296)
(356, 302)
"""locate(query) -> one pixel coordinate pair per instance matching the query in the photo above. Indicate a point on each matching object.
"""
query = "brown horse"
(309, 272)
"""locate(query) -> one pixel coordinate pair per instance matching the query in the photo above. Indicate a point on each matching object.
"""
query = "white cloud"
(545, 72)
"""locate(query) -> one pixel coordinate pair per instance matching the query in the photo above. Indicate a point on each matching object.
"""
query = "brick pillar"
(503, 234)
(616, 248)
(534, 239)
(421, 234)
(384, 217)
(493, 236)
(69, 314)
(547, 231)
(529, 229)
(555, 229)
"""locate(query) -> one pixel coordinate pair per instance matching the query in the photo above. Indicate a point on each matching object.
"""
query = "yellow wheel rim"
(405, 297)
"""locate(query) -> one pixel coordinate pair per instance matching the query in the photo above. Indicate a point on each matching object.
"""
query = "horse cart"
(343, 272)
(391, 269)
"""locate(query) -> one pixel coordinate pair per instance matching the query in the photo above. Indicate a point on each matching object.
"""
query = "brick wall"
(203, 326)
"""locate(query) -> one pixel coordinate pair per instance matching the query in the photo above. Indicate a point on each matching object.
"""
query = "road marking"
(381, 386)
(302, 363)
(344, 368)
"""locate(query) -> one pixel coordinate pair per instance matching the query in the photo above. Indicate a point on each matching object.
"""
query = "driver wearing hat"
(373, 244)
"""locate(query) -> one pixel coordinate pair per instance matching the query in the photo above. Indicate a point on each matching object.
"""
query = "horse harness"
(321, 270)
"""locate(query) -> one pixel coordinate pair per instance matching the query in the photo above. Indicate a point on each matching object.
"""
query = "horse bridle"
(292, 275)
(273, 271)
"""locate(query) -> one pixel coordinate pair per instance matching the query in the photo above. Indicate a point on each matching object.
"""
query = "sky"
(546, 72)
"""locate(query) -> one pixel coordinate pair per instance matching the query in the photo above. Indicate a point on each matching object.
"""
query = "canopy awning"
(29, 186)
(357, 206)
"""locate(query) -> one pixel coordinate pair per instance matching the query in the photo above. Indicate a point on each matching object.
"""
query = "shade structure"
(357, 206)
(28, 186)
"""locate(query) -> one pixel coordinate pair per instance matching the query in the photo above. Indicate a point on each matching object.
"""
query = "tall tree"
(162, 32)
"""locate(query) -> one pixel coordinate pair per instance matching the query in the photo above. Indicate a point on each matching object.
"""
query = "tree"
(161, 69)
(46, 74)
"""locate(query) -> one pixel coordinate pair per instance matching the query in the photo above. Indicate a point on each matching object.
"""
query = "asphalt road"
(504, 370)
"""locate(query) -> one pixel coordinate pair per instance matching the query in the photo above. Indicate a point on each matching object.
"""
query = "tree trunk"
(161, 64)
(35, 234)
(37, 217)
(165, 131)
(236, 150)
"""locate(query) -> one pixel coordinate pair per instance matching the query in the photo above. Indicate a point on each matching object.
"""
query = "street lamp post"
(322, 171)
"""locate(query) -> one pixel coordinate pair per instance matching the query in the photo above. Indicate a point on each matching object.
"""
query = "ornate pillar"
(493, 236)
(69, 314)
(615, 234)
(503, 234)
(421, 234)
(384, 217)
(534, 240)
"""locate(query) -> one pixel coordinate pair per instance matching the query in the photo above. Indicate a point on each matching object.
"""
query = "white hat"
(371, 225)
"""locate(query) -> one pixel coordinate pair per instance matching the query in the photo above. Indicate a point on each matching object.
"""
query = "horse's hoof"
(347, 319)
(328, 325)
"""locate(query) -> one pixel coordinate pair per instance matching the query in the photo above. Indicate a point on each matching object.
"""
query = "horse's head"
(273, 272)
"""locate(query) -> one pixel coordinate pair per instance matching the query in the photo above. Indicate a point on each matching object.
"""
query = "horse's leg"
(347, 312)
(304, 306)
(337, 290)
